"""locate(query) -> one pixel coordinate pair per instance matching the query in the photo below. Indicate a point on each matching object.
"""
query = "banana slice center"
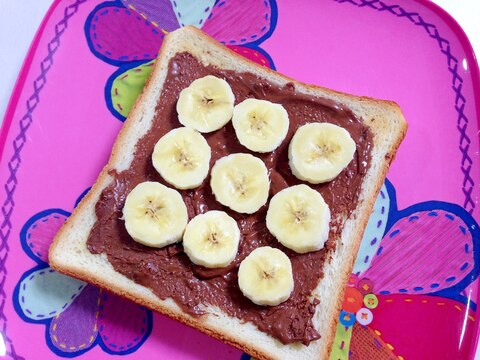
(258, 125)
(214, 236)
(298, 210)
(207, 101)
(185, 157)
(155, 210)
(300, 216)
(267, 274)
(268, 270)
(238, 180)
(206, 105)
(323, 150)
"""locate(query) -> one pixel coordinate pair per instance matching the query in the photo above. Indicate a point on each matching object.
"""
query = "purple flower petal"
(122, 35)
(238, 23)
(431, 250)
(159, 12)
(122, 324)
(75, 329)
(41, 232)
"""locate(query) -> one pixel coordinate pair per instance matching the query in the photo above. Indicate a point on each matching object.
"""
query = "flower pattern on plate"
(414, 266)
(77, 316)
(242, 26)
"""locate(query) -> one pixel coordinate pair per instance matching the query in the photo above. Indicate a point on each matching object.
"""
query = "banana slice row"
(207, 104)
(156, 216)
(317, 153)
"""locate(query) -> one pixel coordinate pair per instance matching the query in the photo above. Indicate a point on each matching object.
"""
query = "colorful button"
(370, 301)
(353, 300)
(352, 280)
(364, 316)
(365, 286)
(346, 318)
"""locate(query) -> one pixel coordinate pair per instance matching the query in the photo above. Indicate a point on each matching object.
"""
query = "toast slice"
(69, 253)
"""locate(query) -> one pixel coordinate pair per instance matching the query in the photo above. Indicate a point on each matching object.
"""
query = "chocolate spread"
(168, 271)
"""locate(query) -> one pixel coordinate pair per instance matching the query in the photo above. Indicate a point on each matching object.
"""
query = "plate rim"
(444, 16)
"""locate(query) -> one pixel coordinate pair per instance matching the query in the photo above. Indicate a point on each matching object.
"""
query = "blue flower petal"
(374, 231)
(45, 293)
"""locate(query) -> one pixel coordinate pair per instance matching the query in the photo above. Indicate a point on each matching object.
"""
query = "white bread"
(69, 253)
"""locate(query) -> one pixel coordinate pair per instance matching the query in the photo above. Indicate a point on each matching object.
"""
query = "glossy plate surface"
(414, 291)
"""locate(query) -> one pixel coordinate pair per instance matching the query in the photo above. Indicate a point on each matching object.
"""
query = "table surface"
(14, 44)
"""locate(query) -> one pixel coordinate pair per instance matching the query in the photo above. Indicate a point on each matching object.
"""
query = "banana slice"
(206, 105)
(265, 276)
(319, 152)
(182, 158)
(211, 239)
(240, 181)
(154, 214)
(260, 125)
(299, 218)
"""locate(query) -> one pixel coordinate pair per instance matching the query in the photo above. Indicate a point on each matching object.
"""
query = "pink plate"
(414, 290)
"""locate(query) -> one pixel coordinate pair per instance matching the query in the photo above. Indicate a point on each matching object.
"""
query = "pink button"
(365, 286)
(352, 280)
(364, 316)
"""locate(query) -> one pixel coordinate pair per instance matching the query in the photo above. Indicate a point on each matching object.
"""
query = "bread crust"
(70, 241)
